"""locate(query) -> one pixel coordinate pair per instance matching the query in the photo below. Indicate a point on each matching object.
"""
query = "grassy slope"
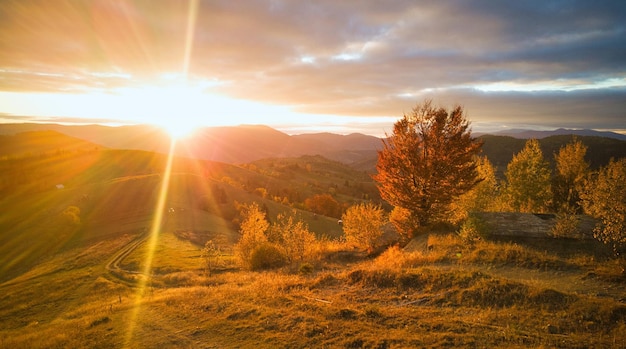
(117, 190)
(486, 295)
(60, 293)
(40, 142)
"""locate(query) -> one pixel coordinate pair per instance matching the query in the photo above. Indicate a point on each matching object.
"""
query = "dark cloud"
(600, 109)
(337, 57)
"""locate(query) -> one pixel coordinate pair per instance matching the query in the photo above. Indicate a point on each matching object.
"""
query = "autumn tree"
(426, 163)
(483, 197)
(571, 171)
(362, 225)
(253, 231)
(323, 204)
(528, 179)
(604, 197)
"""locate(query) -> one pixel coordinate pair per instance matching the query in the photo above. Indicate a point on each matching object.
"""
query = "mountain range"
(527, 134)
(247, 143)
(236, 144)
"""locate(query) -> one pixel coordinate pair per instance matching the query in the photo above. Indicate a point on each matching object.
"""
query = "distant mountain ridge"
(527, 134)
(500, 149)
(248, 143)
(41, 142)
(134, 137)
(230, 144)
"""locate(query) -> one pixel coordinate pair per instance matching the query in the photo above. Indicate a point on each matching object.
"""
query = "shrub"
(253, 233)
(211, 254)
(362, 225)
(293, 236)
(179, 278)
(391, 258)
(267, 256)
(566, 226)
(473, 229)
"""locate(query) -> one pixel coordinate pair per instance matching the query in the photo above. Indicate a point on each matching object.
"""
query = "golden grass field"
(491, 294)
(117, 280)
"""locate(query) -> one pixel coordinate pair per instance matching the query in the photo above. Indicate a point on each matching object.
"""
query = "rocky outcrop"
(529, 225)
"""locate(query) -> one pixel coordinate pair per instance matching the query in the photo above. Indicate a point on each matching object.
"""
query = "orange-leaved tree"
(323, 204)
(426, 163)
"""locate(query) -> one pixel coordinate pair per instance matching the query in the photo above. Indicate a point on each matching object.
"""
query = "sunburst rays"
(192, 13)
(157, 222)
(152, 241)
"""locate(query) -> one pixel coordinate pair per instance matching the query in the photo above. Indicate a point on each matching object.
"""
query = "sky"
(313, 66)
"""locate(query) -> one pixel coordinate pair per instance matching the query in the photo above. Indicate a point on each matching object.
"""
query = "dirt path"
(114, 263)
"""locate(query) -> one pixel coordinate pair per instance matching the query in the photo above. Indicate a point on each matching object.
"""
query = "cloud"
(596, 108)
(351, 58)
(11, 118)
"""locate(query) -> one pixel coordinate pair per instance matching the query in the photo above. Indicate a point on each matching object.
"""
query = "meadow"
(111, 278)
(438, 292)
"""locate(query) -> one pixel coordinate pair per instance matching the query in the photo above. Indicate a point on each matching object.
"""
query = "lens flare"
(152, 240)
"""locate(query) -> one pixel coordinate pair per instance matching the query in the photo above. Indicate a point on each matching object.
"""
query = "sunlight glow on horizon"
(179, 106)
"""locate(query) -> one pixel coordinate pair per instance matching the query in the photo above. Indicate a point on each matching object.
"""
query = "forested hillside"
(247, 143)
(117, 190)
(500, 149)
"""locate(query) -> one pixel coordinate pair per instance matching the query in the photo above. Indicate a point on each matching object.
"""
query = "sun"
(181, 107)
(176, 105)
(178, 130)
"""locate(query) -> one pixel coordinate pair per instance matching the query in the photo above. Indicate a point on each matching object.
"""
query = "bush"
(566, 226)
(267, 256)
(391, 258)
(473, 229)
(179, 278)
(362, 225)
(253, 233)
(293, 236)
